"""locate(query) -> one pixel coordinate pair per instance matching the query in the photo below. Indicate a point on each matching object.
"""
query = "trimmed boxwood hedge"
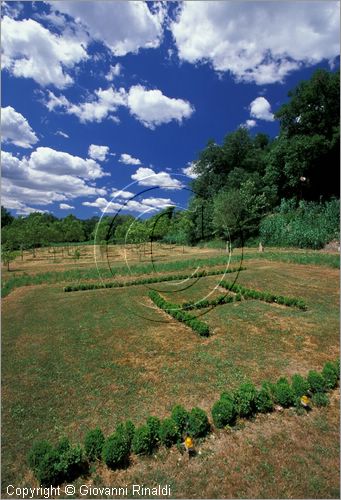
(116, 451)
(224, 411)
(180, 417)
(169, 432)
(245, 399)
(248, 293)
(145, 281)
(53, 465)
(93, 444)
(173, 310)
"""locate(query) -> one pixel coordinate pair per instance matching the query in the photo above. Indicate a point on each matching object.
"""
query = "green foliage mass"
(316, 381)
(180, 417)
(330, 373)
(169, 432)
(300, 385)
(283, 393)
(116, 451)
(54, 465)
(263, 401)
(304, 224)
(245, 399)
(144, 441)
(224, 411)
(93, 444)
(198, 424)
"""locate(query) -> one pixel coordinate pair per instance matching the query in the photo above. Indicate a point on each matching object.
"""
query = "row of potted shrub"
(248, 293)
(144, 281)
(53, 465)
(177, 313)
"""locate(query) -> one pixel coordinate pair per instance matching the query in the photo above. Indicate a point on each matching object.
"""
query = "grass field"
(74, 361)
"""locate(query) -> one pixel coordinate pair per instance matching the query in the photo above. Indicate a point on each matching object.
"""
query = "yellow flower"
(305, 400)
(189, 443)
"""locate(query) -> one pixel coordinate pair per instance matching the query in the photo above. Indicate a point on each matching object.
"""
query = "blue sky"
(98, 96)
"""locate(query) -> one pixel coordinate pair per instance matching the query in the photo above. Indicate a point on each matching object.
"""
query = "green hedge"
(248, 293)
(173, 310)
(54, 465)
(145, 281)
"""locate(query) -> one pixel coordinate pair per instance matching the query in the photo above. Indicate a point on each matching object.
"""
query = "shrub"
(127, 431)
(284, 395)
(320, 399)
(300, 385)
(70, 460)
(43, 460)
(245, 399)
(38, 451)
(93, 444)
(52, 466)
(169, 432)
(316, 382)
(264, 403)
(142, 443)
(330, 375)
(115, 451)
(153, 423)
(198, 424)
(180, 417)
(48, 472)
(224, 411)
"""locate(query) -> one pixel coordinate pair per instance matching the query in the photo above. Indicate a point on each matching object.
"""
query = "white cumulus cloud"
(98, 152)
(259, 42)
(57, 162)
(121, 194)
(143, 206)
(122, 26)
(260, 108)
(100, 106)
(65, 206)
(249, 124)
(159, 203)
(147, 177)
(152, 107)
(47, 176)
(129, 160)
(32, 51)
(16, 129)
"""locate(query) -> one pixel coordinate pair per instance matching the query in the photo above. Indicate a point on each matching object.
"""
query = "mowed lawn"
(73, 361)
